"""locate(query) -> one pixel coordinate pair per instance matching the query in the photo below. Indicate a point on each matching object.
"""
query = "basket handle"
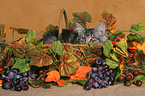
(62, 12)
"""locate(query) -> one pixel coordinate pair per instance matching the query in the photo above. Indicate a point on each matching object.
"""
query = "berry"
(136, 72)
(42, 78)
(41, 71)
(1, 69)
(126, 72)
(129, 76)
(127, 83)
(121, 77)
(138, 83)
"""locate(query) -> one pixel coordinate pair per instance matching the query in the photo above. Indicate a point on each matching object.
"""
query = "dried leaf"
(3, 30)
(80, 74)
(51, 27)
(68, 65)
(71, 24)
(30, 35)
(57, 48)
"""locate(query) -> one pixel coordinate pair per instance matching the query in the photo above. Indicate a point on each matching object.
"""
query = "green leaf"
(122, 45)
(21, 64)
(134, 37)
(68, 65)
(111, 63)
(137, 27)
(107, 47)
(82, 82)
(57, 48)
(82, 18)
(113, 56)
(67, 84)
(71, 24)
(141, 77)
(39, 84)
(30, 35)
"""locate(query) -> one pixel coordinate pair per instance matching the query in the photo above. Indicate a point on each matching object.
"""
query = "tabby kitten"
(79, 35)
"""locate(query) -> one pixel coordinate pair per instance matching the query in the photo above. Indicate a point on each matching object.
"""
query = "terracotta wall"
(37, 14)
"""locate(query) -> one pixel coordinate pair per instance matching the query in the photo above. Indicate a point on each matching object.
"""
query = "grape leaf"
(82, 18)
(41, 59)
(57, 48)
(122, 47)
(82, 82)
(30, 35)
(137, 27)
(71, 24)
(110, 21)
(22, 49)
(68, 65)
(21, 64)
(80, 74)
(39, 84)
(51, 27)
(111, 63)
(107, 47)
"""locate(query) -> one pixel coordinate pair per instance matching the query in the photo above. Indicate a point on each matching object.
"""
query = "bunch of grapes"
(100, 76)
(16, 81)
(128, 76)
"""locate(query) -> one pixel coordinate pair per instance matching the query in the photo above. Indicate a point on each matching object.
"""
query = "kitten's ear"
(79, 28)
(100, 29)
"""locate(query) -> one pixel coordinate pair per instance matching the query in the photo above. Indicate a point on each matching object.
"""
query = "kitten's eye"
(83, 39)
(93, 38)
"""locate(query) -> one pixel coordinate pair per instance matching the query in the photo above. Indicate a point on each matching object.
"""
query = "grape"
(25, 74)
(136, 72)
(87, 86)
(18, 87)
(100, 68)
(93, 75)
(11, 75)
(96, 78)
(138, 83)
(13, 87)
(94, 69)
(98, 61)
(96, 85)
(6, 85)
(25, 87)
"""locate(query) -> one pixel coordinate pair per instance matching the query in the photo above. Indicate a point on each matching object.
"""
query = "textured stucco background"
(37, 14)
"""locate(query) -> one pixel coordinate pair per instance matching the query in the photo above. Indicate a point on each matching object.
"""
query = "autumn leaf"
(110, 21)
(42, 59)
(55, 76)
(3, 30)
(22, 49)
(82, 18)
(80, 74)
(141, 47)
(20, 30)
(71, 24)
(121, 63)
(68, 65)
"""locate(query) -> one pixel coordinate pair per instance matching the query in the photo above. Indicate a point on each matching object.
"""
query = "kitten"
(79, 35)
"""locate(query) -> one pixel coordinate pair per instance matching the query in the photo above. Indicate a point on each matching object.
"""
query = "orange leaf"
(141, 47)
(61, 82)
(52, 76)
(80, 73)
(121, 63)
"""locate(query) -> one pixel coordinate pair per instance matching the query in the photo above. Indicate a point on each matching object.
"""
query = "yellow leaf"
(121, 63)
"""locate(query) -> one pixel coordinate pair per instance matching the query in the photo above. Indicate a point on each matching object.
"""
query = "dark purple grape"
(87, 86)
(30, 72)
(111, 71)
(106, 67)
(17, 81)
(100, 75)
(103, 62)
(25, 74)
(25, 80)
(25, 87)
(104, 71)
(104, 83)
(6, 79)
(33, 76)
(96, 85)
(94, 70)
(110, 83)
(6, 85)
(18, 87)
(13, 87)
(100, 68)
(98, 61)
(108, 73)
(11, 75)
(96, 78)
(15, 71)
(107, 79)
(93, 75)
(91, 81)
